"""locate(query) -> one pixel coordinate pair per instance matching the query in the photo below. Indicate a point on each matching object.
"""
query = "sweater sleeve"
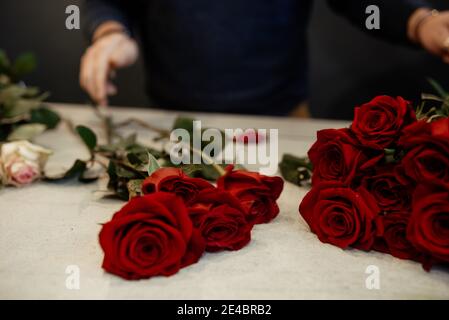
(394, 15)
(95, 12)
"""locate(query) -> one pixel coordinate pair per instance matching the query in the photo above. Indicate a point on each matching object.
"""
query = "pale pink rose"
(22, 162)
(22, 172)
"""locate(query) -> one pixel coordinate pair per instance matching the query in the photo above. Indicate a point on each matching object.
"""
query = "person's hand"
(430, 29)
(111, 50)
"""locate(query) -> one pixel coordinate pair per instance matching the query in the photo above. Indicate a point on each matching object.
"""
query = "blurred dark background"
(347, 67)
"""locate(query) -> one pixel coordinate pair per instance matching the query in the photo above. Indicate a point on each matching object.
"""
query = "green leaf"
(123, 145)
(45, 116)
(129, 140)
(4, 62)
(88, 136)
(438, 88)
(4, 80)
(26, 132)
(142, 152)
(294, 161)
(12, 93)
(89, 175)
(134, 188)
(295, 169)
(184, 123)
(33, 92)
(143, 159)
(112, 168)
(118, 184)
(135, 160)
(431, 97)
(204, 171)
(126, 172)
(153, 165)
(75, 171)
(23, 65)
(389, 152)
(22, 106)
(391, 155)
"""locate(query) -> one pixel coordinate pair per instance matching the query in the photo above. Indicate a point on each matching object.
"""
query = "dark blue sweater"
(239, 56)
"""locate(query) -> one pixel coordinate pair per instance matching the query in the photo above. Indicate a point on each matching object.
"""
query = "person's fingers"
(103, 67)
(100, 77)
(126, 53)
(90, 74)
(444, 49)
(112, 74)
(443, 36)
(86, 70)
(111, 89)
(446, 42)
(434, 34)
(100, 60)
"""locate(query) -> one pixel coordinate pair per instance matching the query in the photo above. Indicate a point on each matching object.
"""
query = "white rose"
(22, 162)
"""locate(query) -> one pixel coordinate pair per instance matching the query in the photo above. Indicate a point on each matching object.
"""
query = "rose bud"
(22, 162)
(221, 220)
(257, 193)
(175, 181)
(378, 123)
(151, 235)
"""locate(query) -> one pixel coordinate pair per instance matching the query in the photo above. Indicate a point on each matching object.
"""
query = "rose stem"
(162, 132)
(217, 168)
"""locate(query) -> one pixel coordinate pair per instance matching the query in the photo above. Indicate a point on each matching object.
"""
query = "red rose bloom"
(341, 216)
(257, 193)
(336, 156)
(175, 181)
(394, 240)
(428, 229)
(151, 235)
(390, 193)
(427, 152)
(221, 220)
(378, 123)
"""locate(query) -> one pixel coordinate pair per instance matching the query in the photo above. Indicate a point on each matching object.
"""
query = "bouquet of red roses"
(383, 183)
(178, 217)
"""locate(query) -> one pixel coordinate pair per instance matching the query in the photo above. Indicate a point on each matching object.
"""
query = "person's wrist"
(107, 28)
(420, 17)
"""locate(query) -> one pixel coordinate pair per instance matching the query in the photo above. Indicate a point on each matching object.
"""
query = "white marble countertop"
(44, 228)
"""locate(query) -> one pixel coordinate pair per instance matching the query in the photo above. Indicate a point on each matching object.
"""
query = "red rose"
(394, 240)
(250, 136)
(428, 229)
(337, 156)
(378, 123)
(257, 193)
(427, 152)
(390, 193)
(174, 180)
(151, 235)
(341, 216)
(221, 220)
